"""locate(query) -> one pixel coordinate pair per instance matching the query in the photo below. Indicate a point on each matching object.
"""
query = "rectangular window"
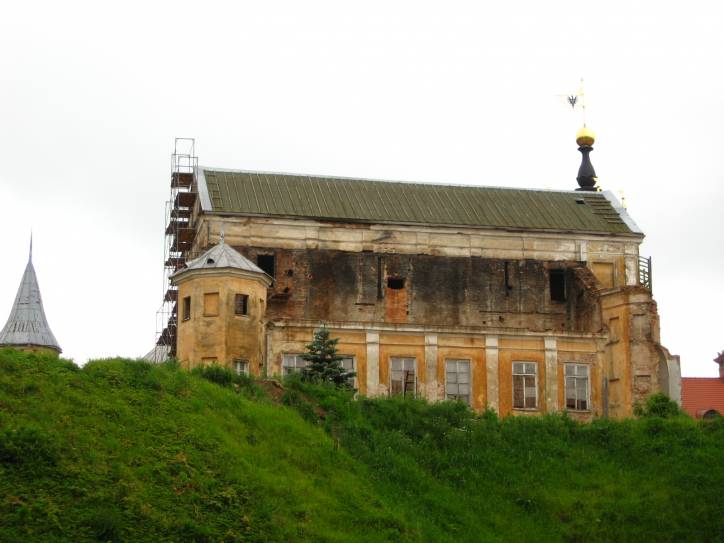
(557, 279)
(525, 385)
(241, 367)
(348, 364)
(209, 360)
(241, 304)
(577, 389)
(292, 363)
(266, 263)
(457, 380)
(211, 304)
(403, 376)
(187, 308)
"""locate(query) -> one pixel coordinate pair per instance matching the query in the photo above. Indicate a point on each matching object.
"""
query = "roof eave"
(636, 234)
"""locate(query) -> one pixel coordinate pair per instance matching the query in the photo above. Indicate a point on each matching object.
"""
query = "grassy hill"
(126, 451)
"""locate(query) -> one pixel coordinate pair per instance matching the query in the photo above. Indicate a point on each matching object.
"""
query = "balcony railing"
(645, 272)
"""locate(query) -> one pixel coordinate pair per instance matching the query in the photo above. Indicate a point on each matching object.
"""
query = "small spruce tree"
(324, 365)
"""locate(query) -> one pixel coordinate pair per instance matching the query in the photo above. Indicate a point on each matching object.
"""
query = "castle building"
(27, 328)
(525, 301)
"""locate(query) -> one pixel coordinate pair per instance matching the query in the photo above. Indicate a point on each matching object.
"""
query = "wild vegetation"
(122, 450)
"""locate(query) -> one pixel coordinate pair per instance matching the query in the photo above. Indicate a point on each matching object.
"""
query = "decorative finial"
(585, 137)
(30, 255)
(222, 233)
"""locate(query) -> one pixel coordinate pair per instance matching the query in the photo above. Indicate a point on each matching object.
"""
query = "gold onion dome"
(585, 136)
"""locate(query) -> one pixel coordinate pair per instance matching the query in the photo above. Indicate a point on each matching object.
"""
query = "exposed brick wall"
(465, 291)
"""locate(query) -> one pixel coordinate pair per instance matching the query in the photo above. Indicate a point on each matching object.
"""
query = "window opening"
(292, 363)
(525, 385)
(241, 304)
(348, 364)
(557, 280)
(457, 380)
(266, 263)
(241, 366)
(508, 286)
(577, 389)
(396, 283)
(403, 377)
(187, 308)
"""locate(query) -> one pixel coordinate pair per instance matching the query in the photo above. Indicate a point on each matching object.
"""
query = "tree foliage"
(324, 365)
(658, 405)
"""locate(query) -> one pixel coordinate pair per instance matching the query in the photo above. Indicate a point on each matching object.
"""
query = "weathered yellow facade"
(520, 320)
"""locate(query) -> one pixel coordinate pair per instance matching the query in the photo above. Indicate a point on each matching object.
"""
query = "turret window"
(241, 304)
(186, 315)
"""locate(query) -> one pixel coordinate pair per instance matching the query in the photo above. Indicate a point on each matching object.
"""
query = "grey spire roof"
(221, 256)
(27, 324)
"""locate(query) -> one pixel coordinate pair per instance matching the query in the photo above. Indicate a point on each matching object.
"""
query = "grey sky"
(92, 95)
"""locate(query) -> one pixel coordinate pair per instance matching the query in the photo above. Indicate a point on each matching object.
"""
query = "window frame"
(244, 305)
(405, 393)
(457, 361)
(523, 376)
(186, 308)
(289, 370)
(239, 364)
(576, 378)
(352, 381)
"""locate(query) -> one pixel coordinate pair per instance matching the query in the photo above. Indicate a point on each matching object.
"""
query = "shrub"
(658, 405)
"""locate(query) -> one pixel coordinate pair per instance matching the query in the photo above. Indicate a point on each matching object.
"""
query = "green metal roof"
(262, 193)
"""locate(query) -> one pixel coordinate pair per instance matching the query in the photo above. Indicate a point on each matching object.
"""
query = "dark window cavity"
(187, 308)
(241, 304)
(396, 283)
(557, 280)
(266, 263)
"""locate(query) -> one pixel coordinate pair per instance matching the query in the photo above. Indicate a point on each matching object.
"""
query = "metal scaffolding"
(178, 223)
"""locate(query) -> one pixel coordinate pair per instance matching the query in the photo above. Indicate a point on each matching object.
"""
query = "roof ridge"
(392, 181)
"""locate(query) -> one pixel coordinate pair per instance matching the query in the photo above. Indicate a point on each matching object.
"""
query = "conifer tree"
(324, 365)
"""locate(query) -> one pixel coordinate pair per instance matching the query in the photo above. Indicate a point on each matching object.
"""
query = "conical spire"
(27, 325)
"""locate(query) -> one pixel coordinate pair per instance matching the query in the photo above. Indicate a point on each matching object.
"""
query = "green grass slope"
(126, 451)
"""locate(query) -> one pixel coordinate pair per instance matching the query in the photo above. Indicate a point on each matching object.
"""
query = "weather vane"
(578, 100)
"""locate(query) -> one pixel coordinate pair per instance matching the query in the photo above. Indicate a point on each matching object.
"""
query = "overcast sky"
(93, 94)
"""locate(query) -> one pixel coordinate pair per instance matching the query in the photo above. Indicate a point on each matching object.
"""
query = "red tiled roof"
(701, 394)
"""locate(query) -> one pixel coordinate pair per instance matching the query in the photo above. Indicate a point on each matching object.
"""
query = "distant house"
(703, 397)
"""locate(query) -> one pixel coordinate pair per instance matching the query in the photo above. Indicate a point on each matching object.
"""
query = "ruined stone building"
(527, 301)
(27, 328)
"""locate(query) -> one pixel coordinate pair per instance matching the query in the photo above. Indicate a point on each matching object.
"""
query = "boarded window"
(403, 376)
(266, 263)
(187, 308)
(525, 385)
(241, 304)
(557, 279)
(292, 363)
(457, 380)
(577, 387)
(241, 367)
(211, 304)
